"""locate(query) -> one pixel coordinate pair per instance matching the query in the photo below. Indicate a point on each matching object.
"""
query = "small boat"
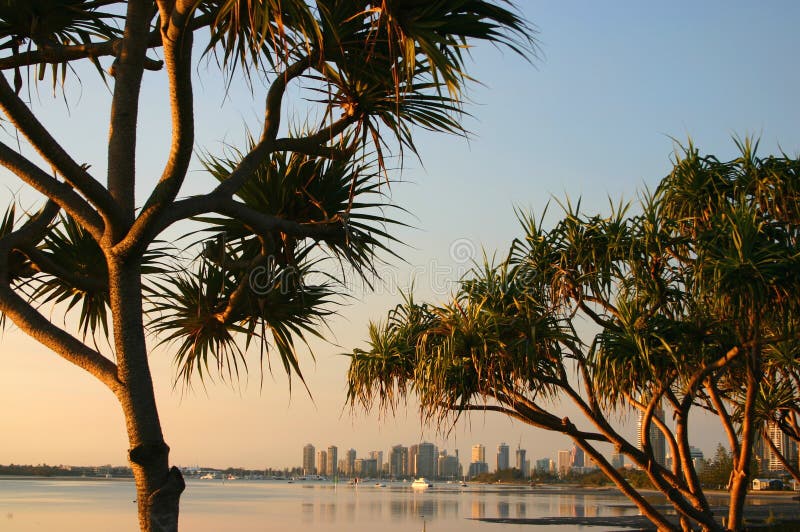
(207, 476)
(421, 483)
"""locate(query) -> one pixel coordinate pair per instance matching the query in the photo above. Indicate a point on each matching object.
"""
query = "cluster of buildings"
(419, 460)
(427, 460)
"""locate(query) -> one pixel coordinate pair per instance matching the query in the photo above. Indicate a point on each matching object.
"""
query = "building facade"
(657, 441)
(322, 462)
(426, 460)
(478, 453)
(520, 462)
(333, 461)
(577, 459)
(350, 463)
(308, 460)
(564, 463)
(784, 444)
(398, 462)
(502, 457)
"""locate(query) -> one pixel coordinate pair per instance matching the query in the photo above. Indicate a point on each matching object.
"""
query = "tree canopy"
(689, 299)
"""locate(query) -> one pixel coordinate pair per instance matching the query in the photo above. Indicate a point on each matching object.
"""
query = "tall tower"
(563, 463)
(322, 462)
(520, 461)
(398, 462)
(576, 457)
(378, 457)
(478, 453)
(426, 460)
(502, 456)
(786, 446)
(333, 461)
(350, 463)
(308, 460)
(657, 440)
(412, 460)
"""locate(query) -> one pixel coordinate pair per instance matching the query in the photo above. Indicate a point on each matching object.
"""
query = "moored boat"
(421, 483)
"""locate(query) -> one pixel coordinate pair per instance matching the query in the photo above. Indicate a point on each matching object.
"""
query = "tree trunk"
(740, 480)
(655, 517)
(158, 486)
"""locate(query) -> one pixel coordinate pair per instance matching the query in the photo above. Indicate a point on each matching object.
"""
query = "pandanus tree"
(671, 308)
(290, 201)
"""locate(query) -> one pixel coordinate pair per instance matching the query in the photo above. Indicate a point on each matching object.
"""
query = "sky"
(594, 116)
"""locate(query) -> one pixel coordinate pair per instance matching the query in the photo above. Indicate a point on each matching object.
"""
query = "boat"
(421, 483)
(207, 476)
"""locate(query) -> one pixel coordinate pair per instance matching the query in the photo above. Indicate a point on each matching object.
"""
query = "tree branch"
(40, 138)
(177, 42)
(316, 144)
(128, 68)
(266, 144)
(59, 192)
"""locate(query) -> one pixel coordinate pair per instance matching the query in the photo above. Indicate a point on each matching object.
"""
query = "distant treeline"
(43, 470)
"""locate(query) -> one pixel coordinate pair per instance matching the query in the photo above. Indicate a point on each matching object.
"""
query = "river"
(86, 505)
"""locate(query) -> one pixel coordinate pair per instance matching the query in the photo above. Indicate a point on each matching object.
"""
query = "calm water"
(240, 505)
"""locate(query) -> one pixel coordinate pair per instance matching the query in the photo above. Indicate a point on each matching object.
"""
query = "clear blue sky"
(592, 117)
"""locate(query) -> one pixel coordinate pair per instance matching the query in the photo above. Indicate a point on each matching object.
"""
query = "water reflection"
(478, 508)
(246, 506)
(502, 509)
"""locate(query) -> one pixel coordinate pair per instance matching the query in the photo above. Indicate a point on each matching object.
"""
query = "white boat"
(421, 483)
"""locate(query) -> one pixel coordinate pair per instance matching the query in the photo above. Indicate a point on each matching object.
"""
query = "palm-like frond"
(76, 274)
(187, 313)
(249, 32)
(47, 23)
(208, 313)
(312, 190)
(69, 246)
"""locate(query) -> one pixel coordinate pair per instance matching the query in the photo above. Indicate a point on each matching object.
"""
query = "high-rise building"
(365, 468)
(478, 453)
(502, 456)
(564, 463)
(543, 465)
(697, 458)
(350, 463)
(576, 457)
(333, 461)
(426, 460)
(519, 461)
(322, 462)
(308, 460)
(412, 460)
(398, 462)
(477, 468)
(785, 445)
(657, 441)
(378, 457)
(448, 466)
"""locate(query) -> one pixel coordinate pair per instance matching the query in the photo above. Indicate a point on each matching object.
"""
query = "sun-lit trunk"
(647, 510)
(740, 480)
(158, 486)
